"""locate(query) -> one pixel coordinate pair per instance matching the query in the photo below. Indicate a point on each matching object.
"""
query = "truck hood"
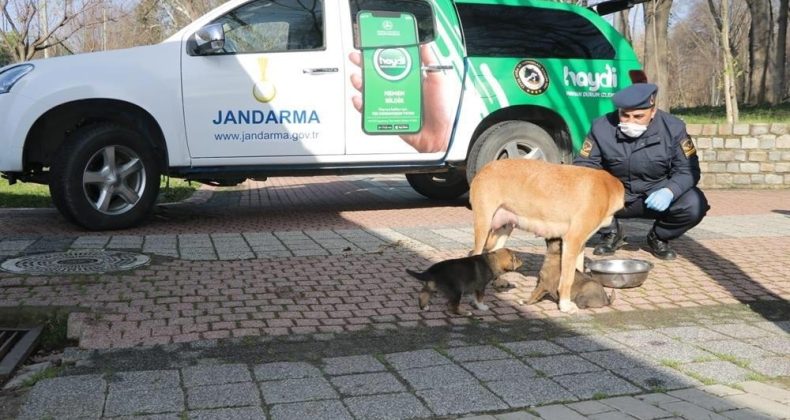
(164, 55)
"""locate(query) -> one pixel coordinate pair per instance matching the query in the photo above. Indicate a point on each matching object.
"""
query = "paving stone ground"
(289, 300)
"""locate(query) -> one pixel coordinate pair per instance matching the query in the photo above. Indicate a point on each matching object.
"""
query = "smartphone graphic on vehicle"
(391, 72)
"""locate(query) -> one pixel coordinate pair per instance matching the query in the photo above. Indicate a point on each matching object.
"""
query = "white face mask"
(632, 130)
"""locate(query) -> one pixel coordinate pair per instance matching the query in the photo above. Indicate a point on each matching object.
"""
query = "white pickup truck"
(260, 88)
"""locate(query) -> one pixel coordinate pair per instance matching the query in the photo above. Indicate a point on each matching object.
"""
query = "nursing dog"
(585, 292)
(548, 199)
(462, 275)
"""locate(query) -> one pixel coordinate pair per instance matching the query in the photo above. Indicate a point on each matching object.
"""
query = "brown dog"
(548, 199)
(585, 292)
(458, 276)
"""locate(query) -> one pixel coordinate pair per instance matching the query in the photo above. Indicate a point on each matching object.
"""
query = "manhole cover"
(75, 262)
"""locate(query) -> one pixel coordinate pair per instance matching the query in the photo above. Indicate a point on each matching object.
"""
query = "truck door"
(276, 90)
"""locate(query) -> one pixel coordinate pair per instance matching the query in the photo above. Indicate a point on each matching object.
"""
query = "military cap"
(636, 96)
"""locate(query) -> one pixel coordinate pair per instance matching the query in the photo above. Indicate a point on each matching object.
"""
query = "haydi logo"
(392, 63)
(592, 81)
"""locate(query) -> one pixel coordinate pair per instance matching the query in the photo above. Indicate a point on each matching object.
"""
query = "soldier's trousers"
(683, 213)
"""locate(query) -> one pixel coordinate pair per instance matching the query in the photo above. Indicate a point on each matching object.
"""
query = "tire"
(511, 140)
(105, 177)
(440, 185)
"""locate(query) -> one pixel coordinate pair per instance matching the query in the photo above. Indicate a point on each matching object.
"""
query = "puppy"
(548, 199)
(461, 275)
(585, 292)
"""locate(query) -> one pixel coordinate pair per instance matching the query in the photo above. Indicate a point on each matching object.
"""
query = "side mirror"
(209, 39)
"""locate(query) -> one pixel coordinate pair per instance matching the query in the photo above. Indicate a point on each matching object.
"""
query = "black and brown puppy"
(585, 292)
(462, 275)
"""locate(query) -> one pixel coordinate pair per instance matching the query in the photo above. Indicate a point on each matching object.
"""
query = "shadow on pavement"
(296, 318)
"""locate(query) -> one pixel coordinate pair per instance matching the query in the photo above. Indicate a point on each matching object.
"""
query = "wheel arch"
(53, 128)
(545, 118)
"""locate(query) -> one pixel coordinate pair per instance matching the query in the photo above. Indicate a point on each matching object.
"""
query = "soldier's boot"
(611, 241)
(660, 249)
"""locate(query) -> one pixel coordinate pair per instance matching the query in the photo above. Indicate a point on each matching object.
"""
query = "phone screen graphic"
(391, 72)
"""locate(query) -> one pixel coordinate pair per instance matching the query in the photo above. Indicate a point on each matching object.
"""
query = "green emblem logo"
(392, 63)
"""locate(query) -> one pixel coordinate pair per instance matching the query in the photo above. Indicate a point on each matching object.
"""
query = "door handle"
(437, 67)
(320, 70)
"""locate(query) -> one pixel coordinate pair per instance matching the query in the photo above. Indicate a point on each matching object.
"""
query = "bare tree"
(622, 24)
(760, 45)
(780, 84)
(722, 18)
(694, 37)
(656, 14)
(181, 12)
(25, 36)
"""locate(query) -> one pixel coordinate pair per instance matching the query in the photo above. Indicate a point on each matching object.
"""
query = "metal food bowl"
(620, 274)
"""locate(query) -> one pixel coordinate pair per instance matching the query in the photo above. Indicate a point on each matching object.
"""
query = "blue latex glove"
(659, 200)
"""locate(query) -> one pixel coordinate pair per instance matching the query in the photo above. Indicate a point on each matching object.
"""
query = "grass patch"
(734, 360)
(174, 189)
(600, 396)
(380, 357)
(705, 380)
(47, 373)
(53, 320)
(29, 195)
(674, 364)
(747, 114)
(23, 195)
(757, 377)
(442, 350)
(249, 340)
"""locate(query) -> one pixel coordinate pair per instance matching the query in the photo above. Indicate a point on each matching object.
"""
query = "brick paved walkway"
(692, 363)
(326, 259)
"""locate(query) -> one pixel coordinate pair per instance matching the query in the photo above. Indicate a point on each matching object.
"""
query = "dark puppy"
(585, 292)
(461, 275)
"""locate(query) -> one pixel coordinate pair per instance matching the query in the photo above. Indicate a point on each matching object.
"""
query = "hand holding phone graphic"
(391, 72)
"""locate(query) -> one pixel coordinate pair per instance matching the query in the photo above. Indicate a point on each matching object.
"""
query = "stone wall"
(743, 155)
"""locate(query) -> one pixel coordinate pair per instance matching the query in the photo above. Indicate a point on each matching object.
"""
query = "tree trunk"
(622, 24)
(760, 43)
(780, 84)
(730, 92)
(656, 14)
(43, 19)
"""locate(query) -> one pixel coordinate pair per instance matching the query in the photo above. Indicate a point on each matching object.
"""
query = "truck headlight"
(11, 75)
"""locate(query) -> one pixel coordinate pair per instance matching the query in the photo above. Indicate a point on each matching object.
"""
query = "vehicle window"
(508, 31)
(274, 25)
(419, 8)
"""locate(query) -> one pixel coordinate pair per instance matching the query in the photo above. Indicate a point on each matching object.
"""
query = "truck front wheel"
(511, 140)
(105, 177)
(439, 186)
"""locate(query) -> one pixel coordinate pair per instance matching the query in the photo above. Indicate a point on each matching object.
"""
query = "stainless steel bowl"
(620, 274)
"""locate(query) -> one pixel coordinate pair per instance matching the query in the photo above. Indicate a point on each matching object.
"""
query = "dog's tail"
(424, 276)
